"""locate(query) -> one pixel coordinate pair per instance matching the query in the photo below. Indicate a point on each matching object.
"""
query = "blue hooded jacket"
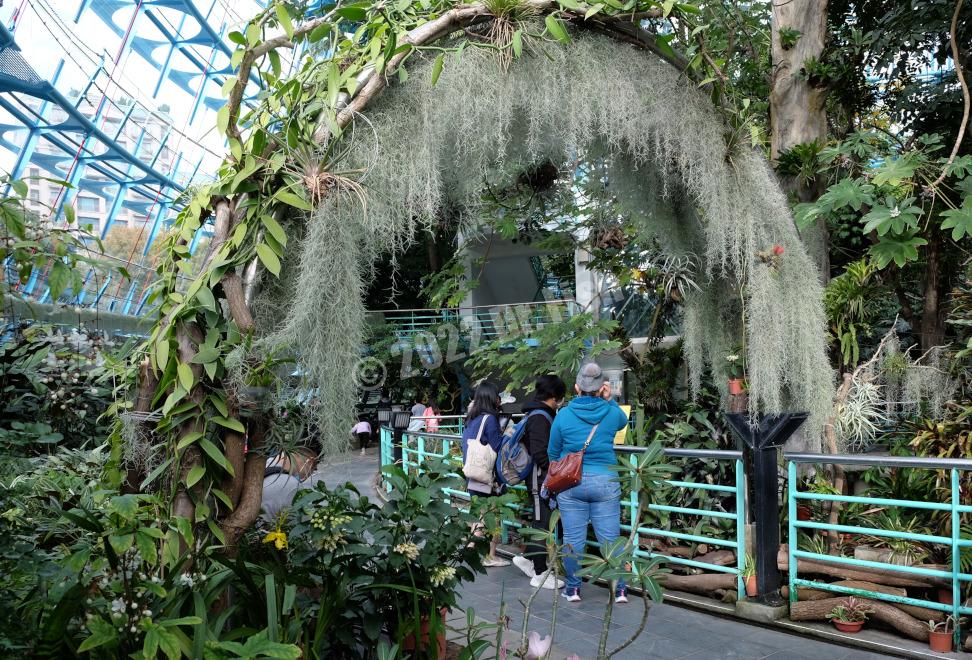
(573, 424)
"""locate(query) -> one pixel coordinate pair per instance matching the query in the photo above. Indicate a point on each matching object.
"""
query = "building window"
(35, 195)
(89, 204)
(34, 172)
(88, 221)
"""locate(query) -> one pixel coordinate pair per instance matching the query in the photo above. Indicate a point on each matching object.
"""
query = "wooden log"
(705, 584)
(818, 610)
(920, 613)
(718, 558)
(880, 576)
(686, 552)
(803, 593)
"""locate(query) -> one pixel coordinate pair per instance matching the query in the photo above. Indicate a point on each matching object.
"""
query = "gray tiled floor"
(671, 633)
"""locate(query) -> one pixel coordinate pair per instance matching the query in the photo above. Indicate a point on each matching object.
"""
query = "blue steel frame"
(122, 170)
(955, 542)
(414, 456)
(207, 37)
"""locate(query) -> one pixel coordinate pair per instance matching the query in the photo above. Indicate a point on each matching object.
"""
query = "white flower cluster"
(322, 520)
(441, 575)
(125, 614)
(329, 523)
(408, 549)
(190, 579)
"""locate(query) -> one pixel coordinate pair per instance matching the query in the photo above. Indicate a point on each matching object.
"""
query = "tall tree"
(798, 117)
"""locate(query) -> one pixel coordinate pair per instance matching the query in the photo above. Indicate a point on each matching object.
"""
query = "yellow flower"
(278, 538)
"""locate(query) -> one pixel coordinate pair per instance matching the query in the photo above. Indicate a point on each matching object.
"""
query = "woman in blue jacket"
(484, 411)
(596, 500)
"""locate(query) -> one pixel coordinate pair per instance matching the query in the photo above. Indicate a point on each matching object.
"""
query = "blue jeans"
(595, 500)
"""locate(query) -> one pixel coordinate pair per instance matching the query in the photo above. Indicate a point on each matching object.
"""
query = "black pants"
(363, 439)
(536, 551)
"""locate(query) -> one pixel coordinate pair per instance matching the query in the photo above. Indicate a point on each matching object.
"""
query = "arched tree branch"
(953, 38)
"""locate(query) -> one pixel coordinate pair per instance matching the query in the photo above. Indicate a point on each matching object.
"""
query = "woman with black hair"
(548, 393)
(482, 421)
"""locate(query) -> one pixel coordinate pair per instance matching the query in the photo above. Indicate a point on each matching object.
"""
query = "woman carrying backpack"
(590, 419)
(483, 427)
(548, 393)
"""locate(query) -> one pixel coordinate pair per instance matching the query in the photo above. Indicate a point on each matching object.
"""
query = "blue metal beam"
(41, 89)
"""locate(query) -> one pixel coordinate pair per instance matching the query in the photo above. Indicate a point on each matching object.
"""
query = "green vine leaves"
(32, 244)
(888, 192)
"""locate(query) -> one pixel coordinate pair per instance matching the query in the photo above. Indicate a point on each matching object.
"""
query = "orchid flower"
(538, 646)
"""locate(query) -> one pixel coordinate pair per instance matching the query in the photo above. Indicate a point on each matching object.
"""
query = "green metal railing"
(953, 576)
(477, 324)
(417, 447)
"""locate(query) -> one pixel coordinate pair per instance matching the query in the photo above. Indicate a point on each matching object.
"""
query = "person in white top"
(362, 431)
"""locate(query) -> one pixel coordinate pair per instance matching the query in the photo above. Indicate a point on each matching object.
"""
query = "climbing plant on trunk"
(314, 188)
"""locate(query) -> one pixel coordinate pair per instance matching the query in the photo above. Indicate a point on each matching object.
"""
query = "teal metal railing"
(953, 576)
(475, 325)
(417, 447)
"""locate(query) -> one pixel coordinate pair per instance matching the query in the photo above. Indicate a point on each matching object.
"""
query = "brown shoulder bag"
(566, 472)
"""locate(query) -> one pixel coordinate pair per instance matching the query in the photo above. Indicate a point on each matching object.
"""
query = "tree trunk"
(251, 493)
(931, 332)
(818, 610)
(188, 336)
(921, 613)
(830, 434)
(704, 584)
(880, 576)
(148, 381)
(797, 105)
(432, 252)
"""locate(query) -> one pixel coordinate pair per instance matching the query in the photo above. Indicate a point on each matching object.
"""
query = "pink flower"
(538, 646)
(572, 657)
(778, 250)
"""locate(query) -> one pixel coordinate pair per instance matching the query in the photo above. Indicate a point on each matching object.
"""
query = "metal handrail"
(473, 307)
(414, 457)
(952, 574)
(881, 461)
(715, 454)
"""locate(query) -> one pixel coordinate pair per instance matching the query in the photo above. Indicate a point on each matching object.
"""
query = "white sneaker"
(362, 452)
(495, 562)
(546, 579)
(525, 565)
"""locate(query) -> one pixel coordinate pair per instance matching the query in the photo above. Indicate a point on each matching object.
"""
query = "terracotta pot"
(750, 581)
(940, 641)
(408, 643)
(945, 596)
(735, 386)
(804, 512)
(847, 626)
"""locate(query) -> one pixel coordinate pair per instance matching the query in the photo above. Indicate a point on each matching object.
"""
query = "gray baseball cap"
(590, 378)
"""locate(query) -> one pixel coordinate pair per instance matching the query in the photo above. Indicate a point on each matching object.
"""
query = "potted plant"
(749, 575)
(736, 367)
(850, 615)
(940, 635)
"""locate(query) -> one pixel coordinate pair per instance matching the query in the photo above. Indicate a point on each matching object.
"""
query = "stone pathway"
(672, 632)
